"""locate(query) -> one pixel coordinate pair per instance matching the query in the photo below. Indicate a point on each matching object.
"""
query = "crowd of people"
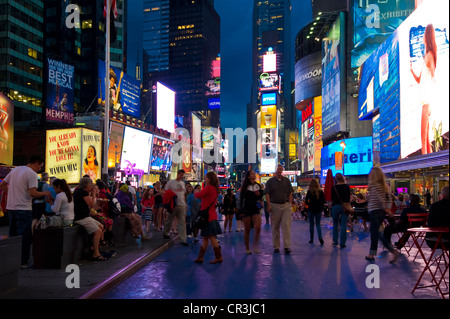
(174, 207)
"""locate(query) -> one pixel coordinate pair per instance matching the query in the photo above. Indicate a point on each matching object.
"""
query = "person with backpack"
(39, 203)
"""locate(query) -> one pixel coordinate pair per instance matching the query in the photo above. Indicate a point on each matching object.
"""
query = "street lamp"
(343, 145)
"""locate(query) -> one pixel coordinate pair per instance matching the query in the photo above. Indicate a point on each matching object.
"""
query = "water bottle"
(43, 222)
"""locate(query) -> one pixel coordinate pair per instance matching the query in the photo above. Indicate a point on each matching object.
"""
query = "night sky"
(235, 47)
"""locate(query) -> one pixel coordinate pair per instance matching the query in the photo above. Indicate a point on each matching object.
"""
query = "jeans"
(20, 225)
(314, 217)
(339, 216)
(376, 219)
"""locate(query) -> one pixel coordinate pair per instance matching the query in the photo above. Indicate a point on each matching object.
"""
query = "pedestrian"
(179, 212)
(279, 194)
(229, 208)
(101, 213)
(84, 199)
(251, 204)
(127, 209)
(208, 196)
(379, 205)
(39, 203)
(51, 189)
(189, 193)
(139, 194)
(340, 193)
(439, 216)
(21, 185)
(428, 198)
(314, 201)
(158, 208)
(132, 194)
(62, 206)
(194, 205)
(400, 203)
(239, 215)
(148, 205)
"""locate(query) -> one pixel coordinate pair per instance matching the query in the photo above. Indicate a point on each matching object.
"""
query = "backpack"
(114, 208)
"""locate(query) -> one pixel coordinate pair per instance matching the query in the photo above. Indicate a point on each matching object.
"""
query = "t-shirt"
(81, 209)
(279, 189)
(61, 206)
(20, 180)
(179, 188)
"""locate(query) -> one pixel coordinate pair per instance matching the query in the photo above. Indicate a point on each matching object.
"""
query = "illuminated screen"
(270, 63)
(268, 99)
(161, 158)
(214, 103)
(136, 149)
(424, 93)
(7, 130)
(269, 82)
(357, 156)
(165, 112)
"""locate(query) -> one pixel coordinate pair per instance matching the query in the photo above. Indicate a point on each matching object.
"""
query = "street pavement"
(160, 269)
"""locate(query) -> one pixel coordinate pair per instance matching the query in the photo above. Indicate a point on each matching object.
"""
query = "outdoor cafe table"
(420, 232)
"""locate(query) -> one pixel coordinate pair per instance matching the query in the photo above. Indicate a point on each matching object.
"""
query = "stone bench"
(10, 257)
(121, 231)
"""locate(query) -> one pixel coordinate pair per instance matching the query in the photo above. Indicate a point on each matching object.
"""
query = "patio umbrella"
(329, 183)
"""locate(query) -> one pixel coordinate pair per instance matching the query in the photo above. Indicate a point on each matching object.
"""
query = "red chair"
(416, 220)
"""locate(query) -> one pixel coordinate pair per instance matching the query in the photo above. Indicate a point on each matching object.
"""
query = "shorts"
(90, 224)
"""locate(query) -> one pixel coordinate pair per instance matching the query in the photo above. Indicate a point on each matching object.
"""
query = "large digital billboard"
(308, 77)
(60, 92)
(358, 158)
(136, 149)
(268, 116)
(269, 82)
(373, 22)
(116, 131)
(333, 71)
(165, 108)
(6, 130)
(73, 153)
(269, 98)
(424, 74)
(124, 91)
(161, 158)
(269, 150)
(269, 62)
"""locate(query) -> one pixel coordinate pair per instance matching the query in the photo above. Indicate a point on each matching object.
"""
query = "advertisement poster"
(268, 116)
(116, 131)
(186, 149)
(6, 130)
(124, 91)
(424, 74)
(331, 78)
(318, 144)
(269, 82)
(161, 158)
(269, 146)
(308, 77)
(60, 92)
(92, 154)
(73, 153)
(136, 149)
(374, 21)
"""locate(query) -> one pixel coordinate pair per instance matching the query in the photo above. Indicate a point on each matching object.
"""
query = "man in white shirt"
(179, 188)
(21, 185)
(132, 191)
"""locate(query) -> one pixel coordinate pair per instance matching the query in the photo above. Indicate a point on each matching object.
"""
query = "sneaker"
(287, 251)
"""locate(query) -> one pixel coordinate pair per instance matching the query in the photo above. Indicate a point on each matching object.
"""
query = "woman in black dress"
(229, 208)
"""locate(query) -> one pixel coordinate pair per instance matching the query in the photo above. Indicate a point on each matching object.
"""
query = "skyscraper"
(181, 39)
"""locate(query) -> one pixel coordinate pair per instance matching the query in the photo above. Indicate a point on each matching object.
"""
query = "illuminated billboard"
(269, 62)
(268, 116)
(214, 103)
(357, 157)
(6, 130)
(73, 153)
(269, 99)
(269, 82)
(373, 22)
(308, 77)
(269, 150)
(136, 149)
(333, 71)
(116, 131)
(124, 91)
(165, 109)
(60, 92)
(161, 158)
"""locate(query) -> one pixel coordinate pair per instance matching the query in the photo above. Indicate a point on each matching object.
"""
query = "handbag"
(202, 218)
(348, 209)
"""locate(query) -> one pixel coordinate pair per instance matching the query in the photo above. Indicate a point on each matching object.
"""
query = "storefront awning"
(424, 161)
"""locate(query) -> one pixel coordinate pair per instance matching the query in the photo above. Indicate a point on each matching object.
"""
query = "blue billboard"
(269, 99)
(214, 103)
(358, 158)
(124, 91)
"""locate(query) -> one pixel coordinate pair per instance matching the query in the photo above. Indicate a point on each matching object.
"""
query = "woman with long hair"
(315, 199)
(379, 204)
(208, 195)
(62, 205)
(251, 203)
(159, 207)
(147, 204)
(427, 82)
(229, 208)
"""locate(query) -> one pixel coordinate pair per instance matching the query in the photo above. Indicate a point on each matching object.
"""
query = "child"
(148, 203)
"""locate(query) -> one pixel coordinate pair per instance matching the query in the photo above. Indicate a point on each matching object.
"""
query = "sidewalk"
(96, 277)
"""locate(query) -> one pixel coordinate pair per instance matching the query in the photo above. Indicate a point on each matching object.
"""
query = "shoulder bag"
(348, 209)
(202, 217)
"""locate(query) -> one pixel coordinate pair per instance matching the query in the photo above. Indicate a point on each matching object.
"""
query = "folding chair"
(415, 220)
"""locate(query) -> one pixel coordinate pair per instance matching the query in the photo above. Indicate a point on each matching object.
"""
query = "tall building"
(272, 33)
(181, 39)
(21, 58)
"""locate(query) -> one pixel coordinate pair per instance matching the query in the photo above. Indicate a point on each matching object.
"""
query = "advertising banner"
(60, 92)
(269, 147)
(187, 158)
(269, 99)
(268, 116)
(308, 77)
(124, 91)
(269, 82)
(318, 143)
(73, 153)
(161, 158)
(136, 149)
(6, 130)
(116, 131)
